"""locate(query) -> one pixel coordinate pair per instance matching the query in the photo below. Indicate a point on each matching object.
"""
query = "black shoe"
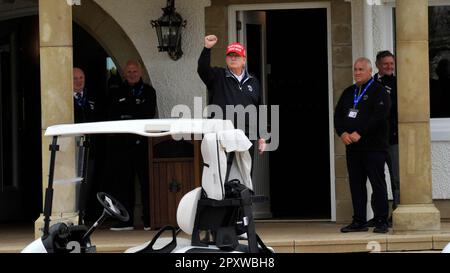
(381, 228)
(355, 227)
(147, 226)
(146, 223)
(371, 222)
(390, 222)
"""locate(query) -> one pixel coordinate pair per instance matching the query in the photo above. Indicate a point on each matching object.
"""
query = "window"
(439, 52)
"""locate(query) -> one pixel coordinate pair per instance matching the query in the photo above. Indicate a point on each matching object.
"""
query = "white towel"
(234, 140)
(241, 169)
(215, 167)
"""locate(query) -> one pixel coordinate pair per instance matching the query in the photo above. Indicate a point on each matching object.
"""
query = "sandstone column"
(56, 58)
(416, 212)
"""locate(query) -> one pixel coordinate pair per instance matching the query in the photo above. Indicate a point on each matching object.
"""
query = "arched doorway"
(108, 33)
(95, 34)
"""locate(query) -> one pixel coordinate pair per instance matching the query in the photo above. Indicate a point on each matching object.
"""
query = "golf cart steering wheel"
(113, 207)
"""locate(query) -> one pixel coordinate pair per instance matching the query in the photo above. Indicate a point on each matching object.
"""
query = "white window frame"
(232, 11)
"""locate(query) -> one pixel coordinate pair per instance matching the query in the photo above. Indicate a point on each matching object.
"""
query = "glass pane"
(439, 31)
(6, 112)
(174, 35)
(165, 36)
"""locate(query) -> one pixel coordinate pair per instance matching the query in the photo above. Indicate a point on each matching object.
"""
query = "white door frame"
(232, 9)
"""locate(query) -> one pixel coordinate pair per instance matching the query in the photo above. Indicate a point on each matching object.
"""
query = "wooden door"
(174, 171)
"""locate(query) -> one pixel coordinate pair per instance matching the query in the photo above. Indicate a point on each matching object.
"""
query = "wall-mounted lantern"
(168, 29)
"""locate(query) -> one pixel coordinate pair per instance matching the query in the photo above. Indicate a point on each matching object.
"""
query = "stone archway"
(110, 35)
(96, 21)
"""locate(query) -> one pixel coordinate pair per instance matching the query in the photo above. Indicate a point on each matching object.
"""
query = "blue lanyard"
(356, 98)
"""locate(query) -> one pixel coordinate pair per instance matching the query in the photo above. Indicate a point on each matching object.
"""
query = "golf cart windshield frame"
(143, 127)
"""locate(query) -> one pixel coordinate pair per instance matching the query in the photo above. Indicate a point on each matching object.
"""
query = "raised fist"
(210, 41)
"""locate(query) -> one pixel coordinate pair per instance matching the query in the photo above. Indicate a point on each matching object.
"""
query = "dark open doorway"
(20, 114)
(297, 52)
(90, 56)
(20, 122)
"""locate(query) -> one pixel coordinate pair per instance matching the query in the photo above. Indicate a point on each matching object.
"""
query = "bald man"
(361, 122)
(134, 99)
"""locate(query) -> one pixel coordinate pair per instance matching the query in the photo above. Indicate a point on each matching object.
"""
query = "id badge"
(353, 113)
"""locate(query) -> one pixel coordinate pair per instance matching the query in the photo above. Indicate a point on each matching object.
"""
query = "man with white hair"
(361, 122)
(232, 86)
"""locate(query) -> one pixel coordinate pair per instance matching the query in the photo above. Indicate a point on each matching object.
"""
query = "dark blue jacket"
(371, 122)
(132, 102)
(84, 108)
(224, 89)
(390, 84)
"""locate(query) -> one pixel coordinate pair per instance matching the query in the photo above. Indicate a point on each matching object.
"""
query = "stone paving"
(284, 237)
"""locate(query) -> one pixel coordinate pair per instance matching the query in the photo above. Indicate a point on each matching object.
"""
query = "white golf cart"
(217, 215)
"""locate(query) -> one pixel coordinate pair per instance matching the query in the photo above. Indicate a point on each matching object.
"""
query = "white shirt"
(240, 77)
(75, 94)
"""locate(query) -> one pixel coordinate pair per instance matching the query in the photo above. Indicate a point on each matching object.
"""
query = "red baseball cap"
(236, 48)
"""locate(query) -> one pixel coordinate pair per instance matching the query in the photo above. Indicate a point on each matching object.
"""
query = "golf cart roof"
(143, 127)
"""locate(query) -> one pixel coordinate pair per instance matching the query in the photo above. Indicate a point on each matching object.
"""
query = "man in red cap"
(231, 86)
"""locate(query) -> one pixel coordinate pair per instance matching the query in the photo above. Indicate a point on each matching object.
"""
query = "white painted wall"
(440, 157)
(176, 82)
